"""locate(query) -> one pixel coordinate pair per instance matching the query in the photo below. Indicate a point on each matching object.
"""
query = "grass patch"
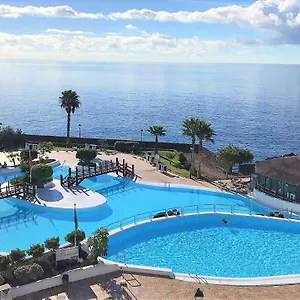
(63, 148)
(173, 164)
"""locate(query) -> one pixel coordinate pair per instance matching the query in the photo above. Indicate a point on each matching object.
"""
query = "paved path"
(155, 288)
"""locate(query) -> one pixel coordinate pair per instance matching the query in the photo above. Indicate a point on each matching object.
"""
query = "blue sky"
(264, 31)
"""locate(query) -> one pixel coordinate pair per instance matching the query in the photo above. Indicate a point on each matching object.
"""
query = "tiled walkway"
(152, 288)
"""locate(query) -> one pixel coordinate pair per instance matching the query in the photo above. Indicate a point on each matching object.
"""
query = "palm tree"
(189, 129)
(157, 131)
(204, 133)
(69, 100)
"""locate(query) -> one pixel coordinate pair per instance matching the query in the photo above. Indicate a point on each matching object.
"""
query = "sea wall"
(61, 141)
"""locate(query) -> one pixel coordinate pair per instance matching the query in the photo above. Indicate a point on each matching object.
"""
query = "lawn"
(173, 164)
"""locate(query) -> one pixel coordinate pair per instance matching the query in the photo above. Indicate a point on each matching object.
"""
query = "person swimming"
(224, 221)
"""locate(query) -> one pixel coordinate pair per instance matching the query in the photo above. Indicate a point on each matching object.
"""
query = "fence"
(184, 211)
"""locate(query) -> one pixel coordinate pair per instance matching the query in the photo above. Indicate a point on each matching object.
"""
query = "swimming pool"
(23, 224)
(202, 244)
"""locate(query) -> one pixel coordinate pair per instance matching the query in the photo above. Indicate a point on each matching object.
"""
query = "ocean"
(249, 105)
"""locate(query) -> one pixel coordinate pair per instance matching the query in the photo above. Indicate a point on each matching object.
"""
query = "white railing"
(187, 210)
(4, 296)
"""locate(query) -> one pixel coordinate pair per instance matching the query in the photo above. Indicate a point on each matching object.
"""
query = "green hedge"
(127, 147)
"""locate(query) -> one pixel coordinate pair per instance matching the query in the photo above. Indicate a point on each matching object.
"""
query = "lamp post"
(79, 130)
(142, 135)
(191, 148)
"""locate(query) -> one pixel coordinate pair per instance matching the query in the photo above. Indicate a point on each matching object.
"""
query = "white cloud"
(280, 17)
(67, 46)
(8, 11)
(130, 27)
(76, 32)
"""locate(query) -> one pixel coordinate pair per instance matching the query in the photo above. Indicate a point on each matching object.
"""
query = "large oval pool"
(23, 224)
(204, 245)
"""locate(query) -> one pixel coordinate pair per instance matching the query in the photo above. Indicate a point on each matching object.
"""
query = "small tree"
(98, 244)
(13, 157)
(45, 147)
(230, 155)
(36, 250)
(24, 155)
(41, 174)
(11, 139)
(80, 236)
(52, 244)
(4, 261)
(85, 156)
(17, 255)
(157, 131)
(103, 144)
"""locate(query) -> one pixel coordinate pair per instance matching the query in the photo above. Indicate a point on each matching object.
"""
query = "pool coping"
(238, 281)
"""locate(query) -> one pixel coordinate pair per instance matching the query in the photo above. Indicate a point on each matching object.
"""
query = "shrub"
(171, 155)
(36, 250)
(28, 273)
(2, 280)
(127, 147)
(24, 167)
(86, 155)
(98, 243)
(20, 179)
(4, 261)
(41, 174)
(80, 236)
(24, 155)
(182, 159)
(17, 255)
(52, 243)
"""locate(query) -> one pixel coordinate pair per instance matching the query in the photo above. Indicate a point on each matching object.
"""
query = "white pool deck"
(57, 196)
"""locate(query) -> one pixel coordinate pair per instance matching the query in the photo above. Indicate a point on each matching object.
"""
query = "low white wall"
(274, 202)
(54, 164)
(74, 275)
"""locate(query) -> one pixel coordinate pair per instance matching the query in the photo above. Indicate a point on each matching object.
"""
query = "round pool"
(203, 244)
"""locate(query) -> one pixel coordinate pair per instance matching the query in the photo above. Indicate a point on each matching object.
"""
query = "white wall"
(274, 202)
(74, 275)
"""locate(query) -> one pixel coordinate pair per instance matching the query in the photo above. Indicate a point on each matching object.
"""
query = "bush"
(24, 155)
(80, 236)
(98, 243)
(2, 280)
(20, 179)
(171, 155)
(41, 174)
(127, 147)
(52, 243)
(4, 262)
(24, 167)
(36, 250)
(86, 155)
(28, 273)
(17, 255)
(182, 159)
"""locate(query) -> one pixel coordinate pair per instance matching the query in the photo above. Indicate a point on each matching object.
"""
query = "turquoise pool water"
(245, 247)
(23, 224)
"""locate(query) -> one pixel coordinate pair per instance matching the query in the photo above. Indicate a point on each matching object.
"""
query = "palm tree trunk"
(156, 144)
(68, 126)
(193, 156)
(199, 157)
